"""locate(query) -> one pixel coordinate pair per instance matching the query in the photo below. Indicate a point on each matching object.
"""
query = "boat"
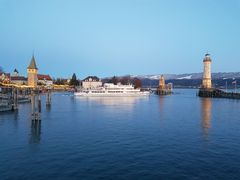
(112, 90)
(5, 103)
(24, 99)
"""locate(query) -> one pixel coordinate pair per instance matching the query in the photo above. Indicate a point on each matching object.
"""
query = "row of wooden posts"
(36, 104)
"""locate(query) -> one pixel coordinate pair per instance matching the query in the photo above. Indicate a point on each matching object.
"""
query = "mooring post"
(36, 105)
(14, 99)
(48, 98)
(33, 104)
(39, 103)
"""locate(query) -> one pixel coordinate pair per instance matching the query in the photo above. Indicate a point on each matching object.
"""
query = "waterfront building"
(44, 80)
(5, 77)
(15, 73)
(207, 79)
(18, 79)
(91, 82)
(32, 72)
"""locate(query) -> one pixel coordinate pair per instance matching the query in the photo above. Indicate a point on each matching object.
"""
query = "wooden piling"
(36, 105)
(48, 98)
(14, 99)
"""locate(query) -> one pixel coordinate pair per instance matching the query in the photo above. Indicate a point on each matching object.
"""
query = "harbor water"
(180, 136)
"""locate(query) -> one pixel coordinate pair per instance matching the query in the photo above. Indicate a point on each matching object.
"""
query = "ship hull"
(80, 94)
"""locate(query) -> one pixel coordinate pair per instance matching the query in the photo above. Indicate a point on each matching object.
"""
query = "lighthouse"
(207, 79)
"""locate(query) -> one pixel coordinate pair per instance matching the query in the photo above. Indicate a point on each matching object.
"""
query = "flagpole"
(226, 86)
(236, 87)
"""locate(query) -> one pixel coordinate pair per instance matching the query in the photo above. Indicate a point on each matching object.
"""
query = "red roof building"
(21, 80)
(44, 79)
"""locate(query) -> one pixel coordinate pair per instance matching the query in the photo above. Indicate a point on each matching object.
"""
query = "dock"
(217, 93)
(163, 92)
(5, 103)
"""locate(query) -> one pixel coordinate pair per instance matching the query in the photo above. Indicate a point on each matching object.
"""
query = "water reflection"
(5, 116)
(161, 102)
(206, 104)
(35, 135)
(48, 108)
(115, 101)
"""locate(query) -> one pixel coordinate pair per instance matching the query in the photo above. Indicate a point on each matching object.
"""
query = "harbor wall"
(217, 93)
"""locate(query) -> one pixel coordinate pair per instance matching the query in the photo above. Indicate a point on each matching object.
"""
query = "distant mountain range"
(191, 80)
(220, 75)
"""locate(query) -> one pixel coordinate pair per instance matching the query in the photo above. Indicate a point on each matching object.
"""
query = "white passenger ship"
(111, 90)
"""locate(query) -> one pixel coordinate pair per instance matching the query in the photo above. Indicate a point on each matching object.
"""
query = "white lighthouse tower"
(207, 78)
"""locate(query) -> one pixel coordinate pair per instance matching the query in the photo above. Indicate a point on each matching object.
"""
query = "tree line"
(125, 80)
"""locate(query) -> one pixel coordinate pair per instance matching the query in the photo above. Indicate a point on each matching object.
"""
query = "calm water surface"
(173, 137)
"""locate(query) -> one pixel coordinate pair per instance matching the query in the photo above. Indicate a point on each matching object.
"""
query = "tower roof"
(15, 70)
(207, 58)
(32, 64)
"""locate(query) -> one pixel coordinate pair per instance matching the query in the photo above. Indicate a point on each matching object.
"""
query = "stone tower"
(162, 82)
(32, 71)
(207, 79)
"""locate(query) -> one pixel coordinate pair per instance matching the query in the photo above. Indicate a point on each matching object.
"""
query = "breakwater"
(217, 93)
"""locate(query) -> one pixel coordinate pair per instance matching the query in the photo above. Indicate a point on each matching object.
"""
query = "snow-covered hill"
(220, 75)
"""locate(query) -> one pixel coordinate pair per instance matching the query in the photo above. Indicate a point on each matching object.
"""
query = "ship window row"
(115, 91)
(117, 88)
(121, 88)
(98, 92)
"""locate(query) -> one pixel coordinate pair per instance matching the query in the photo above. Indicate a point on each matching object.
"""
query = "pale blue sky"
(118, 37)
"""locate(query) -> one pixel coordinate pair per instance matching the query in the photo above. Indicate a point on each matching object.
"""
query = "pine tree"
(74, 81)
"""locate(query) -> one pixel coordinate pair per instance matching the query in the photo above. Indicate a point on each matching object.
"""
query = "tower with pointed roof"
(32, 72)
(207, 78)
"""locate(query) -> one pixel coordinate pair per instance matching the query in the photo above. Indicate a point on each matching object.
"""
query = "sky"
(119, 37)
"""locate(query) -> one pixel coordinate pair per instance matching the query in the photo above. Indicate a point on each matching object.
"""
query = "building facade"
(44, 80)
(5, 77)
(15, 73)
(18, 79)
(91, 82)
